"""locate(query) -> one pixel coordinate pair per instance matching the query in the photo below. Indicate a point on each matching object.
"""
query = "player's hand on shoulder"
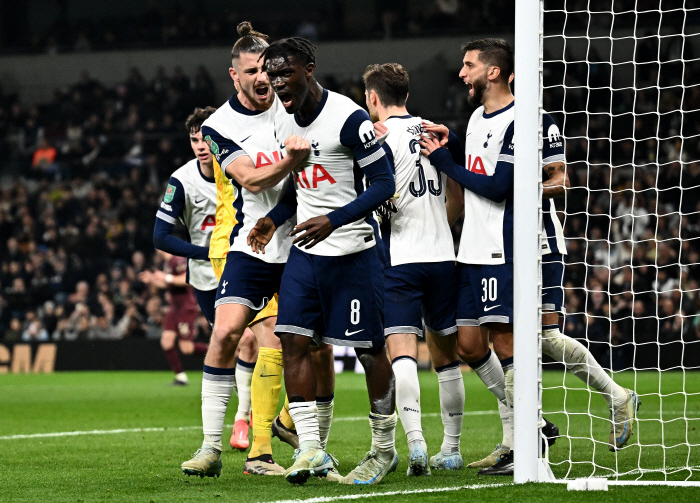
(261, 234)
(297, 147)
(314, 231)
(380, 132)
(429, 143)
(439, 131)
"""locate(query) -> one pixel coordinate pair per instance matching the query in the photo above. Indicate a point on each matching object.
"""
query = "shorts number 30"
(490, 289)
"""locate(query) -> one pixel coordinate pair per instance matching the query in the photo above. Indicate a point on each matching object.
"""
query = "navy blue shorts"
(206, 300)
(484, 294)
(249, 281)
(414, 289)
(553, 283)
(337, 300)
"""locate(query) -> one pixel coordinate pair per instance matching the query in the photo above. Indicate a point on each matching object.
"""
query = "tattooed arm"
(557, 182)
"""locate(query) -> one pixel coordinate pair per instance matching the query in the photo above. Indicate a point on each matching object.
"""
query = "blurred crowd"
(210, 24)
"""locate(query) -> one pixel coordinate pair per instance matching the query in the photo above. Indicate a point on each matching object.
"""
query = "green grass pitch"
(143, 466)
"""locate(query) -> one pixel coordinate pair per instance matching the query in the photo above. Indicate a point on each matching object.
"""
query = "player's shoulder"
(477, 115)
(218, 119)
(402, 129)
(185, 173)
(340, 104)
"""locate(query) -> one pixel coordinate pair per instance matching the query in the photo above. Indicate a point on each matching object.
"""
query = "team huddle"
(315, 223)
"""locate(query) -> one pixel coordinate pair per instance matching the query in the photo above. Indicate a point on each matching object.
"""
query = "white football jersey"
(418, 232)
(552, 151)
(342, 142)
(487, 233)
(193, 202)
(233, 131)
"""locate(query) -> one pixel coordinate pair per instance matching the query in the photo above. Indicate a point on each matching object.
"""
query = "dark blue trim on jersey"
(162, 230)
(239, 216)
(381, 187)
(222, 143)
(205, 178)
(407, 116)
(494, 114)
(237, 106)
(286, 207)
(316, 113)
(164, 240)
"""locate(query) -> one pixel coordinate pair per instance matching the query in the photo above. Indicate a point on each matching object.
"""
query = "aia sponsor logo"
(209, 221)
(311, 177)
(265, 160)
(477, 166)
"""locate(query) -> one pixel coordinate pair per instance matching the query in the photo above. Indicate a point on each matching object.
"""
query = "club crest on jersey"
(169, 193)
(488, 137)
(212, 145)
(314, 146)
(367, 134)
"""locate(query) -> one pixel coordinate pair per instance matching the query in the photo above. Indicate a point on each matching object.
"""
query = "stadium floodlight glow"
(623, 86)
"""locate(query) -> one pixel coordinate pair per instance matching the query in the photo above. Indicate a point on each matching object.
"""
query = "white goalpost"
(621, 78)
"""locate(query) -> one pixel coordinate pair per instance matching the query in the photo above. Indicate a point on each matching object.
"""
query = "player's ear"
(233, 73)
(494, 72)
(310, 69)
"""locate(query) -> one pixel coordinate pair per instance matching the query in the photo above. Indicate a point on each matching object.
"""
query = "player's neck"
(497, 98)
(207, 169)
(310, 104)
(385, 112)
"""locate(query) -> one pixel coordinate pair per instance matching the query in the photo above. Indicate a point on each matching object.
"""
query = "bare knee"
(226, 337)
(186, 347)
(167, 340)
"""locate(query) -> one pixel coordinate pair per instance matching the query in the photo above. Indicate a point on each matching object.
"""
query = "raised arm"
(238, 165)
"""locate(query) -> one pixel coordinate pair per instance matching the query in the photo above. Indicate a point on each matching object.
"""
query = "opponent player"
(240, 135)
(419, 279)
(486, 288)
(331, 286)
(180, 322)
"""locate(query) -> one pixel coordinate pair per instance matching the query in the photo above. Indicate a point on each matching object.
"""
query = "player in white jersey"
(331, 287)
(486, 287)
(420, 279)
(240, 135)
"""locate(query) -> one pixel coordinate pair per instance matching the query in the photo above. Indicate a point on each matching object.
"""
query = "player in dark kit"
(180, 322)
(331, 284)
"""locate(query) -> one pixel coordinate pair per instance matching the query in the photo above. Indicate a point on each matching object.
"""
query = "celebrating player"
(419, 279)
(331, 287)
(241, 137)
(486, 287)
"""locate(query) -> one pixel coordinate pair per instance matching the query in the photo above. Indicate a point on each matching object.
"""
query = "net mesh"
(622, 80)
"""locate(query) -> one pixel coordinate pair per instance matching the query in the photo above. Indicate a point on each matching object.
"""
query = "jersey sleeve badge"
(212, 145)
(169, 193)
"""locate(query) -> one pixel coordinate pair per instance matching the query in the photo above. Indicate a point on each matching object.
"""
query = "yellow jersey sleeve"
(225, 215)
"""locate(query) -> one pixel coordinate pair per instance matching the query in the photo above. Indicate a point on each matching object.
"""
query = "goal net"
(622, 80)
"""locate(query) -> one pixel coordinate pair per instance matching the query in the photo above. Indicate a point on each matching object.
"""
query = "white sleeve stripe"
(553, 158)
(365, 161)
(231, 158)
(166, 217)
(506, 158)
